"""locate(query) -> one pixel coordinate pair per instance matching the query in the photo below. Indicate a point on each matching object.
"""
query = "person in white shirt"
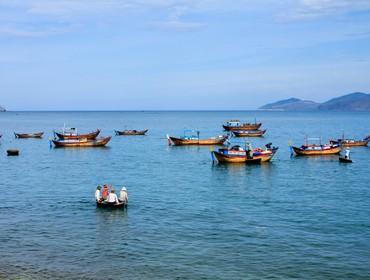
(123, 195)
(112, 197)
(347, 153)
(98, 194)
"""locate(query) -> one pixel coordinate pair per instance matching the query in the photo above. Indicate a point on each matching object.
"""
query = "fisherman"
(123, 195)
(105, 192)
(347, 152)
(112, 197)
(98, 197)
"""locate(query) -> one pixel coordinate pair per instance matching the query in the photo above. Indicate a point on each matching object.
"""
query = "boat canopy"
(233, 123)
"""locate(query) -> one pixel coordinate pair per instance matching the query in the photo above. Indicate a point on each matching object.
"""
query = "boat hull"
(89, 136)
(249, 133)
(222, 158)
(301, 152)
(251, 126)
(345, 160)
(105, 205)
(77, 144)
(28, 135)
(131, 132)
(182, 142)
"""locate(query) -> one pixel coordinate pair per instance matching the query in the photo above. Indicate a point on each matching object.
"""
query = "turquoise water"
(187, 218)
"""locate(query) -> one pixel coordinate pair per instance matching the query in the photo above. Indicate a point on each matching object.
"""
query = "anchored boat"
(196, 140)
(66, 143)
(351, 142)
(28, 135)
(131, 132)
(248, 133)
(317, 149)
(247, 155)
(71, 133)
(237, 125)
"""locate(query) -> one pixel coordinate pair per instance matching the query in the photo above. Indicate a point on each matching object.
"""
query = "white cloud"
(309, 9)
(176, 25)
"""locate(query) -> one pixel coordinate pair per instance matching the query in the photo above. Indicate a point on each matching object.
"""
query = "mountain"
(291, 104)
(356, 101)
(2, 109)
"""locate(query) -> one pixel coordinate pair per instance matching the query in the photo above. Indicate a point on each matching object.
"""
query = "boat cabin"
(233, 123)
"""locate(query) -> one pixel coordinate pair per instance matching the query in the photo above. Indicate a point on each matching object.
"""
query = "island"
(2, 109)
(357, 101)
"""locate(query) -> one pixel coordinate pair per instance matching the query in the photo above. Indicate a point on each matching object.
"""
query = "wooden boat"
(351, 143)
(131, 132)
(13, 152)
(317, 150)
(66, 143)
(345, 160)
(195, 140)
(237, 125)
(28, 135)
(248, 133)
(237, 154)
(106, 205)
(71, 134)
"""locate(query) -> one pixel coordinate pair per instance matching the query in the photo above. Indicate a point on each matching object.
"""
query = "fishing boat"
(237, 125)
(28, 135)
(351, 142)
(12, 152)
(247, 155)
(66, 143)
(72, 134)
(317, 149)
(131, 132)
(248, 133)
(196, 140)
(106, 205)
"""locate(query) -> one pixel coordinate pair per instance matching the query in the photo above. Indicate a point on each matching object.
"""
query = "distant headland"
(357, 101)
(2, 109)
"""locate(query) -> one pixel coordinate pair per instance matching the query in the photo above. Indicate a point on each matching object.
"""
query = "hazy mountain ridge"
(356, 101)
(291, 104)
(2, 109)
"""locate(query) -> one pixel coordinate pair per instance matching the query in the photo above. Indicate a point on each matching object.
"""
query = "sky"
(180, 54)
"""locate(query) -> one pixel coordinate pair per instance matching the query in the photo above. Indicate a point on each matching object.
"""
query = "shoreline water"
(187, 218)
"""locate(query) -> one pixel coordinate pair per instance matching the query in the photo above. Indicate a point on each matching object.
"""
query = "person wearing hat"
(123, 195)
(112, 197)
(98, 197)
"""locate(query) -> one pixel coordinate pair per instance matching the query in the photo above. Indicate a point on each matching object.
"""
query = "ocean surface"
(293, 218)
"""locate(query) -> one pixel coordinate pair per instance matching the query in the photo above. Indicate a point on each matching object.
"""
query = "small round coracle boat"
(12, 152)
(345, 160)
(248, 133)
(106, 205)
(28, 135)
(99, 142)
(130, 132)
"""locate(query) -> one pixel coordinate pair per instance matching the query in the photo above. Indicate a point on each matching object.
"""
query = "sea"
(188, 218)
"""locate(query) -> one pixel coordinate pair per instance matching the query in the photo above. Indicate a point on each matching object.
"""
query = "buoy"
(13, 152)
